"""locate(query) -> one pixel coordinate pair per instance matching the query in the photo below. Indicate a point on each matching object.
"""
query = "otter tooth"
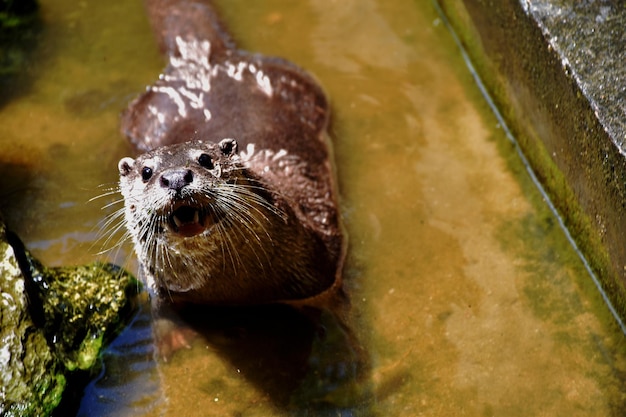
(177, 222)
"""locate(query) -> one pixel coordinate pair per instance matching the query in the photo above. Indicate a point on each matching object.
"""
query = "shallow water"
(468, 298)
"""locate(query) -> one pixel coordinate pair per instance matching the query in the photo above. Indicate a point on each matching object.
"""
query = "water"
(468, 298)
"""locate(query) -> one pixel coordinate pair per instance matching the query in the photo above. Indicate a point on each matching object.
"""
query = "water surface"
(466, 294)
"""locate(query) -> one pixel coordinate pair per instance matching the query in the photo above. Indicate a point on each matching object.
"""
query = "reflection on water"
(129, 382)
(468, 297)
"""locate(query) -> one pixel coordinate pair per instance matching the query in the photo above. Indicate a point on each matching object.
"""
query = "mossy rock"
(53, 324)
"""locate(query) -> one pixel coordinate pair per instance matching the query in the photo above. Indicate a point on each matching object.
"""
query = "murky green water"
(468, 297)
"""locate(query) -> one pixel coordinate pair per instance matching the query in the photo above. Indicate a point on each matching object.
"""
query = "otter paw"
(171, 337)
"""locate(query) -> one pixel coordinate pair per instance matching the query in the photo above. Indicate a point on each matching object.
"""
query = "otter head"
(171, 189)
(174, 198)
(196, 215)
(207, 228)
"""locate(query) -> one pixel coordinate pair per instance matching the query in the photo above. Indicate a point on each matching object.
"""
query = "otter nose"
(176, 179)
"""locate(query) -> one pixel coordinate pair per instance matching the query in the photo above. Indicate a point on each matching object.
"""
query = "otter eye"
(146, 173)
(206, 161)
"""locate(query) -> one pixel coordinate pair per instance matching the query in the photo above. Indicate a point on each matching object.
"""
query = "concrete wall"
(555, 70)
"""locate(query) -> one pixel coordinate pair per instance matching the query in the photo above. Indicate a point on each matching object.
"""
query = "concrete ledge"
(557, 71)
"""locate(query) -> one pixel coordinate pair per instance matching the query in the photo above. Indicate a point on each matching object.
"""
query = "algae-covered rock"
(31, 378)
(53, 322)
(81, 305)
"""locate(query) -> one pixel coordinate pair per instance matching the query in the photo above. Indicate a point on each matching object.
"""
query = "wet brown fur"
(275, 234)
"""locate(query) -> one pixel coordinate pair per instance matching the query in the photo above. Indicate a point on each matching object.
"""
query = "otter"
(233, 200)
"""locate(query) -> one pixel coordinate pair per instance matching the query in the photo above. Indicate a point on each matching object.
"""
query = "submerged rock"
(53, 324)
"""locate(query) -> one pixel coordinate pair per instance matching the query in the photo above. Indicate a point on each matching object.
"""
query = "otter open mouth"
(187, 220)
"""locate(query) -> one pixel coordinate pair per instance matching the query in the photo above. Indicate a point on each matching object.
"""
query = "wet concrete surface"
(556, 71)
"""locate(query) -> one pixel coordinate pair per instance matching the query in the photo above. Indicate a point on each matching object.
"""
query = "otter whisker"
(241, 213)
(245, 197)
(237, 212)
(240, 219)
(228, 245)
(251, 212)
(163, 262)
(109, 219)
(112, 203)
(107, 246)
(111, 190)
(152, 249)
(108, 228)
(236, 227)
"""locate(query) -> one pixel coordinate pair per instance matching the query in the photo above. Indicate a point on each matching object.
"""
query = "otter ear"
(228, 146)
(125, 166)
